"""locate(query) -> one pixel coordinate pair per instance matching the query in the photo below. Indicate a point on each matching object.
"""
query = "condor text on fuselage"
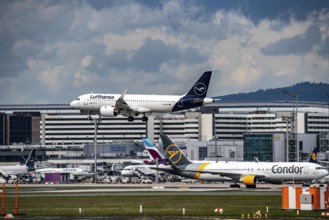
(284, 169)
(273, 172)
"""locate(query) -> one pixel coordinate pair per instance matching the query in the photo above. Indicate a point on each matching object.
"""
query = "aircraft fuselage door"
(181, 102)
(305, 170)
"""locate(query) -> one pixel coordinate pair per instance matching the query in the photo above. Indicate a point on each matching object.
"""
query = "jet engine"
(207, 100)
(108, 111)
(249, 181)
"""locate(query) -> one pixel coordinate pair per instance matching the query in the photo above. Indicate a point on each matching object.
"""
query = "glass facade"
(2, 130)
(20, 129)
(203, 152)
(258, 145)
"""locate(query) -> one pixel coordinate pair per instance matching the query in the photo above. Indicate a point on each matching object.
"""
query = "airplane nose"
(73, 103)
(326, 172)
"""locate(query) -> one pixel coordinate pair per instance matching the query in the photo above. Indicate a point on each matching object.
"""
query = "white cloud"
(22, 46)
(86, 61)
(52, 79)
(161, 49)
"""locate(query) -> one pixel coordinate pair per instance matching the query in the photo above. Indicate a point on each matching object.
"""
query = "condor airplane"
(152, 150)
(248, 173)
(131, 105)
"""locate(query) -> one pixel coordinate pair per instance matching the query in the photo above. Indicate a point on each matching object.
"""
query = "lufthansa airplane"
(248, 173)
(131, 105)
(7, 171)
(75, 173)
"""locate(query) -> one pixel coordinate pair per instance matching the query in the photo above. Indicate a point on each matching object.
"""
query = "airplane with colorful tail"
(248, 173)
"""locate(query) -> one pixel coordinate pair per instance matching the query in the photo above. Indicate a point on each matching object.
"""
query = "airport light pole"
(214, 135)
(286, 119)
(294, 118)
(96, 123)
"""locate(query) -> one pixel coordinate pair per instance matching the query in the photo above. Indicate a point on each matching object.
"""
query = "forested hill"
(314, 92)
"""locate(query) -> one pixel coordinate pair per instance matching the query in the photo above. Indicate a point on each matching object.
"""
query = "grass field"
(160, 205)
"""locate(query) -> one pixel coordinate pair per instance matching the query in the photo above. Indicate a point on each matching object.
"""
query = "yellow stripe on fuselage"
(201, 168)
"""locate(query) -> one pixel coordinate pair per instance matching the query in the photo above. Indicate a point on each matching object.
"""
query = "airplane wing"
(4, 173)
(233, 176)
(167, 170)
(237, 176)
(13, 171)
(126, 109)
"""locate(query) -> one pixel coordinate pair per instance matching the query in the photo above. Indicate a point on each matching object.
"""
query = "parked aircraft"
(131, 105)
(153, 153)
(17, 170)
(248, 173)
(156, 154)
(145, 169)
(138, 170)
(75, 173)
(187, 174)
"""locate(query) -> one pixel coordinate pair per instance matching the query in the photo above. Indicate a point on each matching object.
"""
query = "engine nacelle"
(207, 100)
(248, 180)
(108, 111)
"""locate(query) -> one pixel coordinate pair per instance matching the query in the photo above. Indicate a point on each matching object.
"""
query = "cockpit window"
(78, 99)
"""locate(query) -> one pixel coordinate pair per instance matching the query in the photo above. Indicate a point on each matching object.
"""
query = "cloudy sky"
(53, 51)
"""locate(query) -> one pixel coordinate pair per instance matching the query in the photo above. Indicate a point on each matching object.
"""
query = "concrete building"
(76, 129)
(225, 125)
(20, 127)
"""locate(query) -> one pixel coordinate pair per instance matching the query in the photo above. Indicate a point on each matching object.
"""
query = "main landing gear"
(235, 185)
(144, 118)
(131, 118)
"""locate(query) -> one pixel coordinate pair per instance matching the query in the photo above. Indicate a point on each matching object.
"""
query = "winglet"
(120, 100)
(123, 94)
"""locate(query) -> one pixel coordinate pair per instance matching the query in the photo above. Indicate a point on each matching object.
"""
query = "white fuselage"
(135, 170)
(72, 171)
(156, 103)
(13, 170)
(273, 172)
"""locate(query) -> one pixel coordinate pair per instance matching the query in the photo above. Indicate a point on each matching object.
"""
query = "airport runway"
(139, 189)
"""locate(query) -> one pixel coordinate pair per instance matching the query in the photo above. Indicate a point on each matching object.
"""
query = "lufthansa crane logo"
(200, 89)
(175, 154)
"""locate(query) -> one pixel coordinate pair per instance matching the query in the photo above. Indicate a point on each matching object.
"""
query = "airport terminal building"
(276, 131)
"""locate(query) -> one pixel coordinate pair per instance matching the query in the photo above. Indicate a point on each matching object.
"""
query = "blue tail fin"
(30, 160)
(196, 97)
(200, 88)
(314, 156)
